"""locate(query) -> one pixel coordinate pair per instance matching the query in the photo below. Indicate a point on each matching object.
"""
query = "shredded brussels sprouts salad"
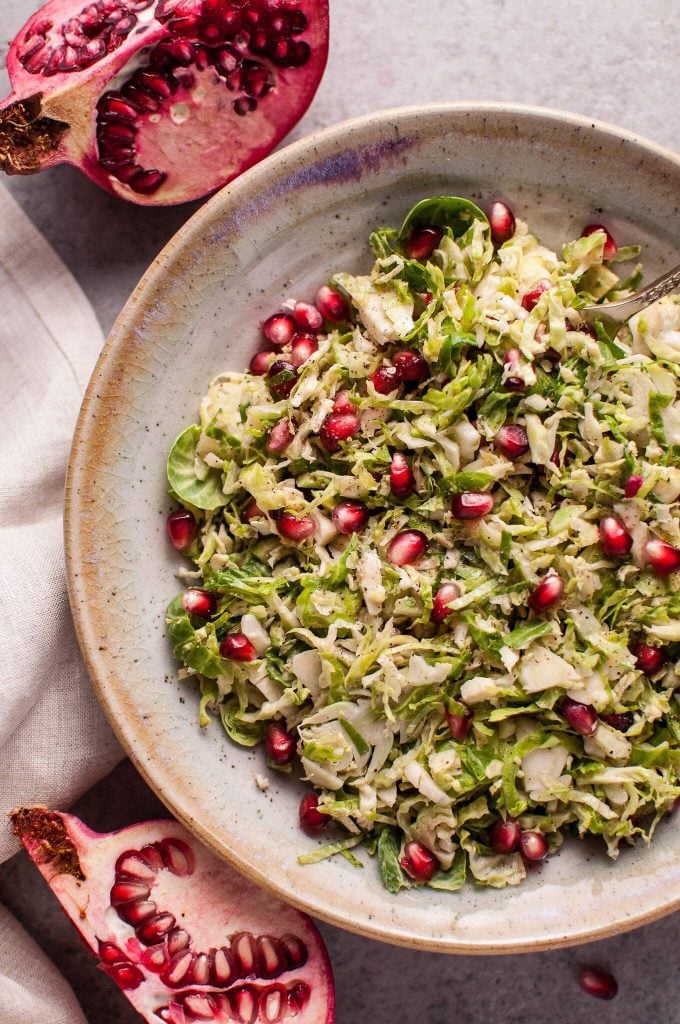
(436, 543)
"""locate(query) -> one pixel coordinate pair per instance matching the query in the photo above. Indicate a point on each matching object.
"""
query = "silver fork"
(614, 315)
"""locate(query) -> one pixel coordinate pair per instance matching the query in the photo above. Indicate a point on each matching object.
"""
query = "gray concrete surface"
(616, 60)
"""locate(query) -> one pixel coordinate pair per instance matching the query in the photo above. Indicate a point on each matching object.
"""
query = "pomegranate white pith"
(188, 939)
(160, 101)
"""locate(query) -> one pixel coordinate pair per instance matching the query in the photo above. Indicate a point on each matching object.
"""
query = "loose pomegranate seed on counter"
(598, 983)
(199, 602)
(282, 377)
(312, 820)
(252, 511)
(501, 222)
(296, 528)
(338, 427)
(513, 360)
(308, 317)
(512, 441)
(440, 603)
(504, 836)
(633, 485)
(621, 720)
(402, 480)
(459, 725)
(279, 743)
(302, 348)
(581, 717)
(237, 647)
(418, 862)
(533, 846)
(279, 329)
(662, 558)
(407, 547)
(349, 517)
(411, 366)
(422, 242)
(615, 540)
(530, 298)
(182, 529)
(610, 247)
(332, 304)
(647, 658)
(280, 436)
(386, 380)
(260, 363)
(471, 505)
(547, 593)
(344, 404)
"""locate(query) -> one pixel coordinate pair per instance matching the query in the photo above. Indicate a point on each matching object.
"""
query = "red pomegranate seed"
(411, 366)
(504, 836)
(349, 517)
(610, 247)
(547, 593)
(531, 297)
(312, 820)
(402, 480)
(440, 603)
(471, 505)
(338, 427)
(252, 511)
(422, 242)
(512, 441)
(647, 658)
(386, 380)
(237, 647)
(501, 222)
(260, 363)
(332, 304)
(199, 602)
(459, 725)
(581, 717)
(303, 347)
(418, 862)
(182, 529)
(621, 720)
(513, 359)
(280, 436)
(280, 329)
(662, 558)
(279, 743)
(109, 953)
(533, 846)
(598, 983)
(407, 547)
(126, 976)
(633, 485)
(344, 404)
(615, 540)
(308, 317)
(282, 377)
(297, 528)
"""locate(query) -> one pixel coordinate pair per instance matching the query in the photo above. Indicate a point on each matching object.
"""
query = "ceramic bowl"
(278, 232)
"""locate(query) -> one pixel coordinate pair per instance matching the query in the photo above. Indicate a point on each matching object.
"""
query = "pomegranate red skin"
(615, 540)
(182, 529)
(312, 820)
(610, 247)
(418, 862)
(501, 222)
(440, 603)
(459, 725)
(407, 547)
(471, 505)
(598, 983)
(530, 298)
(92, 98)
(504, 836)
(581, 717)
(279, 743)
(647, 658)
(662, 558)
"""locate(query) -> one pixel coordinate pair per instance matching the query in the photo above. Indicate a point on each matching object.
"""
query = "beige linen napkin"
(54, 740)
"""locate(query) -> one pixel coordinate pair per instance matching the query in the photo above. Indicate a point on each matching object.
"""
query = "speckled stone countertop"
(616, 61)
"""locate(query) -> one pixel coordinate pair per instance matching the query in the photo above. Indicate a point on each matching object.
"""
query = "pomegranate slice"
(159, 101)
(231, 930)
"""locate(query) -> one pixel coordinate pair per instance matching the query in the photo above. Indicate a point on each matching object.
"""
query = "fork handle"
(625, 308)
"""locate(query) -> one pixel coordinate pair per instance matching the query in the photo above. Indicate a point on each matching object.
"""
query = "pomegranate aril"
(109, 953)
(244, 951)
(581, 717)
(512, 441)
(245, 105)
(177, 856)
(633, 485)
(338, 427)
(407, 547)
(124, 892)
(501, 222)
(411, 366)
(530, 298)
(155, 958)
(418, 862)
(312, 821)
(295, 950)
(459, 725)
(282, 378)
(279, 329)
(295, 528)
(279, 743)
(298, 23)
(298, 997)
(513, 360)
(647, 658)
(422, 242)
(199, 1005)
(114, 108)
(504, 836)
(547, 593)
(201, 969)
(615, 540)
(332, 304)
(471, 505)
(349, 517)
(244, 1003)
(402, 479)
(199, 602)
(440, 603)
(252, 511)
(280, 436)
(156, 83)
(260, 363)
(386, 380)
(621, 720)
(610, 247)
(223, 969)
(126, 976)
(116, 132)
(179, 971)
(156, 928)
(598, 983)
(135, 864)
(144, 100)
(662, 558)
(273, 1002)
(237, 647)
(344, 404)
(303, 347)
(533, 846)
(137, 911)
(308, 317)
(147, 182)
(182, 529)
(177, 940)
(270, 957)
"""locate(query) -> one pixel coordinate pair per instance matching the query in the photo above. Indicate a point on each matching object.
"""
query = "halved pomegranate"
(159, 101)
(182, 934)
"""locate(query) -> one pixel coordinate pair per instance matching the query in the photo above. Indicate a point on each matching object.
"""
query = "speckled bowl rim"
(189, 234)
